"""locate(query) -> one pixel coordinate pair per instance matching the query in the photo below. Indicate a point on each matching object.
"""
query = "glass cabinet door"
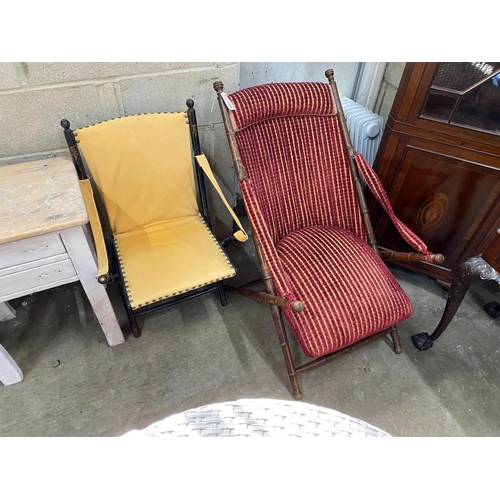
(465, 94)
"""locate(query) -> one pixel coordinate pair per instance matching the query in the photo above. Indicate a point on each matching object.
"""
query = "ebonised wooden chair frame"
(115, 273)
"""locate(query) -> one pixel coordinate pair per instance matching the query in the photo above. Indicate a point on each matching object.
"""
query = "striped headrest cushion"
(274, 100)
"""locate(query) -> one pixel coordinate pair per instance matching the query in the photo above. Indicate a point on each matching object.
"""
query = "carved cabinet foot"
(422, 341)
(475, 266)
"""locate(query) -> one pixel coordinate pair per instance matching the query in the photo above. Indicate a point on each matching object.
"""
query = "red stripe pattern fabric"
(348, 292)
(301, 199)
(378, 190)
(299, 178)
(282, 99)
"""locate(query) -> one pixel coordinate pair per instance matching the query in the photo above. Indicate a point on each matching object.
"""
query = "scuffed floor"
(199, 353)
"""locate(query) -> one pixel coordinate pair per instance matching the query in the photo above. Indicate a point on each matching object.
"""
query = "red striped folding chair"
(300, 181)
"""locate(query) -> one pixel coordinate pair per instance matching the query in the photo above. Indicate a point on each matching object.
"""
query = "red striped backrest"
(294, 157)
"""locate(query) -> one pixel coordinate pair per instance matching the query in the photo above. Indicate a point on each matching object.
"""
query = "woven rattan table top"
(259, 417)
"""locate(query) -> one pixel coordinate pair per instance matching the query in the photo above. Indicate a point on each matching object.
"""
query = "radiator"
(365, 128)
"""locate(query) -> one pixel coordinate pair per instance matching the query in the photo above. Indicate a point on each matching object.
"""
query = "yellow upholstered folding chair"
(158, 239)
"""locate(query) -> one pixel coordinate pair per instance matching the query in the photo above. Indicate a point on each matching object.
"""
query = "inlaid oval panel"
(432, 212)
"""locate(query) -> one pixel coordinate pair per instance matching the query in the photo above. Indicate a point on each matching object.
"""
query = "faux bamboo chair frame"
(115, 273)
(270, 296)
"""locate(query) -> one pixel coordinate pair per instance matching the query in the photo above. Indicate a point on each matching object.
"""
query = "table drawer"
(38, 278)
(30, 249)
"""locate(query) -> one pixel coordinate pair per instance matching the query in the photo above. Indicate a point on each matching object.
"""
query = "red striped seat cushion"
(347, 290)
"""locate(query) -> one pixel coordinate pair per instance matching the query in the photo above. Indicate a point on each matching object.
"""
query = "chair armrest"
(435, 258)
(240, 235)
(295, 305)
(96, 228)
(378, 191)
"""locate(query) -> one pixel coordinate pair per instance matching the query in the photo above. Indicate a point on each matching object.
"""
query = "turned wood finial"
(438, 258)
(190, 103)
(65, 124)
(218, 86)
(329, 74)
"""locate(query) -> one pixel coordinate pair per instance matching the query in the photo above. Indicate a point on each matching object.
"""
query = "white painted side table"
(44, 243)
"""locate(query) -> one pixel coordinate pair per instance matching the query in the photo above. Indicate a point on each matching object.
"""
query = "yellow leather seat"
(170, 258)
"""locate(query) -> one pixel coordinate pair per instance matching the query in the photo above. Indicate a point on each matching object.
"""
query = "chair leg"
(132, 321)
(398, 348)
(136, 332)
(287, 353)
(134, 327)
(222, 294)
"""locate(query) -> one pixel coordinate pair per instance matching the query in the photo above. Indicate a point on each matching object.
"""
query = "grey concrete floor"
(198, 353)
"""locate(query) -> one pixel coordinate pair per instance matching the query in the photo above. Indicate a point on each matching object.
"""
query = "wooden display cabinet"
(439, 161)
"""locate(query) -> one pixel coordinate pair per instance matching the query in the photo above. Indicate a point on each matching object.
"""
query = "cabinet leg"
(462, 279)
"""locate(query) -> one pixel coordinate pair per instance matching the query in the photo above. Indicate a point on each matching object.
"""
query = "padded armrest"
(378, 191)
(240, 235)
(95, 226)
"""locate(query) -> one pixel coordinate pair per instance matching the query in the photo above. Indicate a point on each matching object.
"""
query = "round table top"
(260, 417)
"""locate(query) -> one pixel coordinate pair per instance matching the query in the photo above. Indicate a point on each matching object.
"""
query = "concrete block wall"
(387, 93)
(36, 96)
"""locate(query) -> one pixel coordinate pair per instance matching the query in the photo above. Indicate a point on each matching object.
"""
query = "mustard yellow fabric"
(240, 235)
(142, 166)
(169, 258)
(95, 227)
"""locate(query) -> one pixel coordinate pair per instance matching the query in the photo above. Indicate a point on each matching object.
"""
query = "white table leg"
(82, 255)
(10, 373)
(6, 311)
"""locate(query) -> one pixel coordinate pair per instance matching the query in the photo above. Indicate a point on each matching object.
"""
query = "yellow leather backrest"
(142, 166)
